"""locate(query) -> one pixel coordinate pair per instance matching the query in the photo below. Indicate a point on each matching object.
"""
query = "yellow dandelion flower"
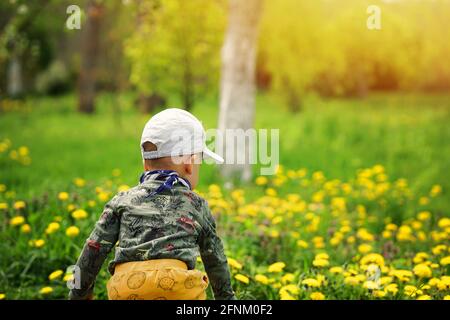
(55, 275)
(424, 215)
(291, 288)
(19, 205)
(79, 214)
(320, 263)
(52, 227)
(422, 271)
(302, 244)
(444, 223)
(445, 261)
(317, 296)
(17, 221)
(234, 264)
(311, 282)
(39, 243)
(262, 279)
(63, 196)
(72, 231)
(3, 206)
(424, 297)
(68, 277)
(336, 270)
(277, 267)
(79, 182)
(261, 180)
(364, 248)
(242, 278)
(46, 290)
(440, 248)
(26, 228)
(288, 277)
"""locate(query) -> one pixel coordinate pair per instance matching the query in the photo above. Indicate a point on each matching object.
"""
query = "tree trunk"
(15, 85)
(89, 55)
(237, 91)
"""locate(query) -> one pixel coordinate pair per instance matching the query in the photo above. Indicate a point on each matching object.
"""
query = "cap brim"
(209, 154)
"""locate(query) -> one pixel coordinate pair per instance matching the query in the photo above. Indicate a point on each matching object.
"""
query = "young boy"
(160, 226)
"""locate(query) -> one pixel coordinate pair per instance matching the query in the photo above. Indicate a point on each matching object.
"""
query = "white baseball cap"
(175, 132)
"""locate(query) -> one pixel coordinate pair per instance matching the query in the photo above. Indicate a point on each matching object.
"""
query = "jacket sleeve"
(97, 247)
(214, 259)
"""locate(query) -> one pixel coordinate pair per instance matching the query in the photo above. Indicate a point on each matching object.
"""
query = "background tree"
(237, 87)
(89, 56)
(175, 50)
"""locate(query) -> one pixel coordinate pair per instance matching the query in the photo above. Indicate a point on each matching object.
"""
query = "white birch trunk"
(237, 91)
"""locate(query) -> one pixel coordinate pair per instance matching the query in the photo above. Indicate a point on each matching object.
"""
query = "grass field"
(362, 190)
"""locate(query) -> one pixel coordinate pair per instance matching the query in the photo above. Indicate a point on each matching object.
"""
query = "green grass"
(407, 134)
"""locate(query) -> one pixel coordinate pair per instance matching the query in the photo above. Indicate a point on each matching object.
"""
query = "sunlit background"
(360, 91)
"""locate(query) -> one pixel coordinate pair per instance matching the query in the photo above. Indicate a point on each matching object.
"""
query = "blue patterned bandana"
(170, 178)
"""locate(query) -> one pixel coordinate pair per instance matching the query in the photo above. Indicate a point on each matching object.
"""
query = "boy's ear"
(188, 168)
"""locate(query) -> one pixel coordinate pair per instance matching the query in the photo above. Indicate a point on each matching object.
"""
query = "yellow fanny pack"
(158, 279)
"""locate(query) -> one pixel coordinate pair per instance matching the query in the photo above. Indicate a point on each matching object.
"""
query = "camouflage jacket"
(173, 224)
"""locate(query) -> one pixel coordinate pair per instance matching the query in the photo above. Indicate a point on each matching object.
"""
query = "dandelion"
(18, 205)
(302, 244)
(371, 285)
(46, 290)
(422, 271)
(261, 181)
(372, 258)
(63, 196)
(25, 228)
(447, 297)
(68, 277)
(311, 282)
(242, 278)
(233, 263)
(336, 270)
(72, 231)
(55, 275)
(364, 248)
(39, 243)
(320, 263)
(391, 288)
(277, 267)
(291, 288)
(3, 206)
(262, 279)
(353, 281)
(424, 297)
(444, 223)
(288, 277)
(52, 227)
(79, 182)
(79, 214)
(423, 215)
(445, 261)
(435, 190)
(317, 296)
(284, 295)
(17, 221)
(411, 291)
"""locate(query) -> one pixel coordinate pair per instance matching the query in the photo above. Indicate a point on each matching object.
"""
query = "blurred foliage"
(176, 47)
(172, 48)
(326, 47)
